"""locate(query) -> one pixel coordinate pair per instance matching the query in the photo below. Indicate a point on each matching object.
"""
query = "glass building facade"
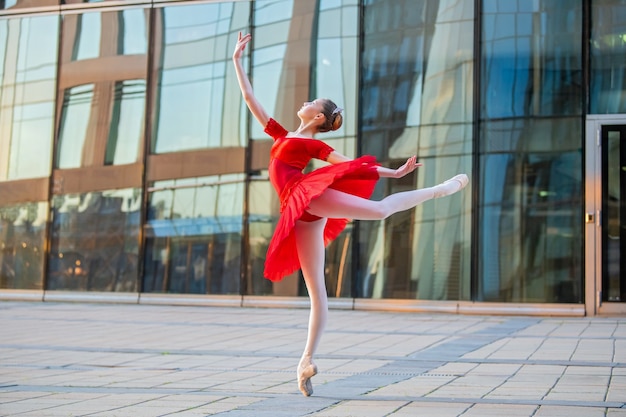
(129, 162)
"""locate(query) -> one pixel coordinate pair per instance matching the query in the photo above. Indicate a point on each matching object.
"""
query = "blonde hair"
(333, 116)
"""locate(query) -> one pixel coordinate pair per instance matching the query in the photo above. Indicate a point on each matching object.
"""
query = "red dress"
(288, 157)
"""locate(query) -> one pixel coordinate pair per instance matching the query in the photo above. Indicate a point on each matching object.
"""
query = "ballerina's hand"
(242, 41)
(409, 166)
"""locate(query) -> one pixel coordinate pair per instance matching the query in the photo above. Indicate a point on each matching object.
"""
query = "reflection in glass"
(268, 66)
(193, 58)
(126, 120)
(95, 241)
(87, 43)
(18, 4)
(74, 123)
(608, 57)
(193, 236)
(22, 245)
(416, 99)
(263, 206)
(28, 47)
(530, 203)
(103, 71)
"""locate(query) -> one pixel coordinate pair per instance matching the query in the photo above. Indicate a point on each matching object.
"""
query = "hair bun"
(338, 121)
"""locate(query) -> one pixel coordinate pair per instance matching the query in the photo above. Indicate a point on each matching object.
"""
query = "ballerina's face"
(310, 109)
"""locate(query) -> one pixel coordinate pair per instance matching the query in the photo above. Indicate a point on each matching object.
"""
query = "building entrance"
(605, 215)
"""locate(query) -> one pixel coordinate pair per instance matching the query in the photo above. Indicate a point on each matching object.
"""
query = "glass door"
(613, 148)
(606, 215)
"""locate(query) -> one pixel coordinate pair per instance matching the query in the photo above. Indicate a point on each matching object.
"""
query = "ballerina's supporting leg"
(311, 253)
(336, 204)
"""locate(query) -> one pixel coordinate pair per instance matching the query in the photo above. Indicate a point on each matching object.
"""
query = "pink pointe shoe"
(305, 373)
(451, 186)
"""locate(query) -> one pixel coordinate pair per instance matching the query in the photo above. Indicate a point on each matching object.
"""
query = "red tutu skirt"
(357, 177)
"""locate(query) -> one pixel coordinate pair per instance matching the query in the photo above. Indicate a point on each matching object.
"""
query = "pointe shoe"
(304, 378)
(451, 186)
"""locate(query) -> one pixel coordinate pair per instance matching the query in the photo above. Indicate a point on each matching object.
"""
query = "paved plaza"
(91, 359)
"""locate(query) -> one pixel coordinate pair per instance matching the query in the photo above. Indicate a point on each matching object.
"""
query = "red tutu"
(357, 177)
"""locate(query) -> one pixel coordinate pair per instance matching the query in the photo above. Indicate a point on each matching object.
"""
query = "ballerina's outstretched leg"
(337, 204)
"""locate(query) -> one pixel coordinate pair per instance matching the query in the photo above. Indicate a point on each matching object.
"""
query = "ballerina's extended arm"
(255, 107)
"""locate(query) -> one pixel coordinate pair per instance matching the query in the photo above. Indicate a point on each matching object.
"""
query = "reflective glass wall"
(28, 76)
(530, 236)
(129, 161)
(417, 99)
(608, 57)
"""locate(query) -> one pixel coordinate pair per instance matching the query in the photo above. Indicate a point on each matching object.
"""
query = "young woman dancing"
(315, 206)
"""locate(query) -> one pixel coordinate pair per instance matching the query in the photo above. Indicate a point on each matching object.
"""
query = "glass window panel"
(95, 241)
(530, 203)
(88, 42)
(608, 57)
(532, 60)
(136, 42)
(27, 86)
(262, 217)
(272, 11)
(126, 123)
(74, 123)
(102, 119)
(18, 4)
(193, 107)
(22, 245)
(268, 66)
(193, 246)
(417, 99)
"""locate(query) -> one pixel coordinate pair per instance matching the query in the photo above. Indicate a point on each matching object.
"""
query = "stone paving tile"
(362, 409)
(565, 411)
(138, 360)
(439, 409)
(495, 410)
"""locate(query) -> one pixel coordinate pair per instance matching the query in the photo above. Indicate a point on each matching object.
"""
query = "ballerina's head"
(323, 112)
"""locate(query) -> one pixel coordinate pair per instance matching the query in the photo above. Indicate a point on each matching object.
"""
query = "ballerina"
(315, 207)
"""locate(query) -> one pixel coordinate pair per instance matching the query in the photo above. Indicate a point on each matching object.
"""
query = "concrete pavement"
(73, 359)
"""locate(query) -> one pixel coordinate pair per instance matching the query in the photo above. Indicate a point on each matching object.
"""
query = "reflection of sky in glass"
(268, 63)
(28, 72)
(189, 23)
(135, 38)
(201, 201)
(329, 72)
(192, 83)
(89, 41)
(37, 61)
(270, 11)
(30, 156)
(333, 4)
(187, 97)
(130, 124)
(74, 125)
(4, 29)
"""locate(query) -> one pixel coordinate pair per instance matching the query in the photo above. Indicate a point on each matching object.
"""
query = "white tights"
(310, 241)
